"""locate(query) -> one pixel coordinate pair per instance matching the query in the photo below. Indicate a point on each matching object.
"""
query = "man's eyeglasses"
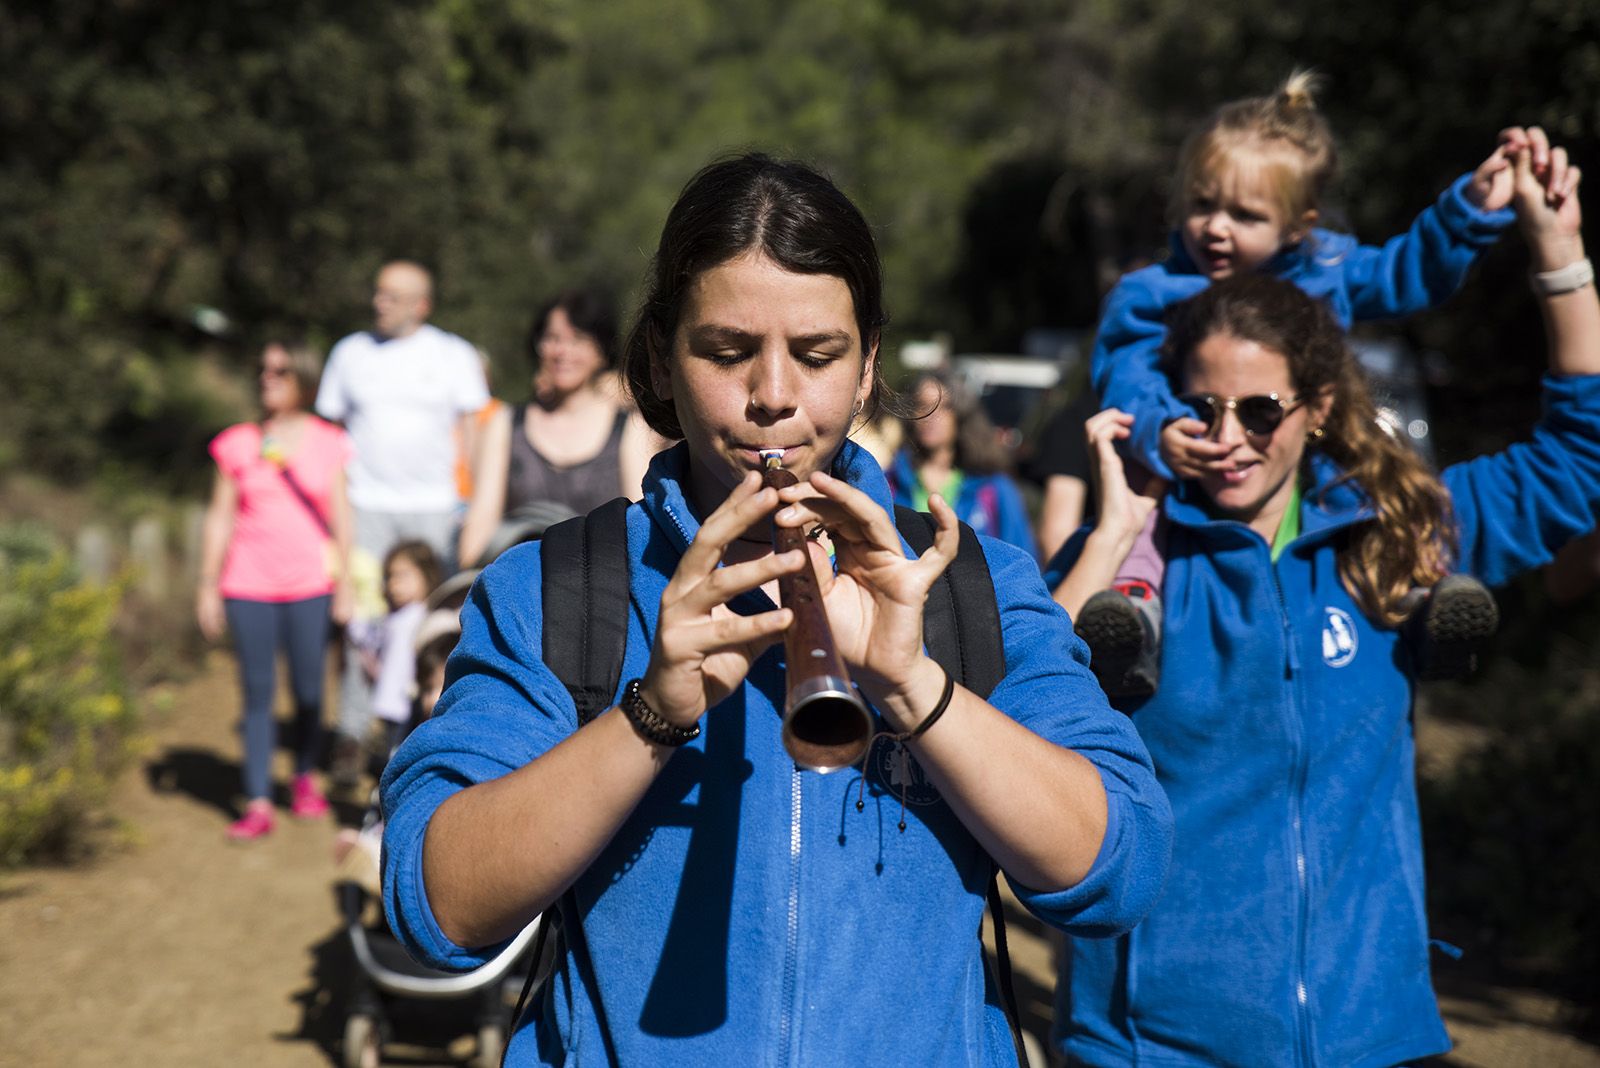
(1259, 413)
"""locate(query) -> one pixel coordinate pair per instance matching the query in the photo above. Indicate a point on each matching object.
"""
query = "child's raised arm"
(1423, 267)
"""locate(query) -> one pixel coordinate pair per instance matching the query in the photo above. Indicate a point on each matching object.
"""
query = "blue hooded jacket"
(1292, 930)
(746, 913)
(989, 504)
(1412, 272)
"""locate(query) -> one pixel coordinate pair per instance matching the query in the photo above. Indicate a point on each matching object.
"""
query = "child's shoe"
(1122, 628)
(255, 823)
(1447, 625)
(307, 801)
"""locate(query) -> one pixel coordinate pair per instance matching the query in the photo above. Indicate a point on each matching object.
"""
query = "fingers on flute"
(853, 516)
(729, 629)
(946, 538)
(744, 507)
(726, 583)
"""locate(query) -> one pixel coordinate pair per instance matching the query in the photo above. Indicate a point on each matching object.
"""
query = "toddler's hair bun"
(1299, 91)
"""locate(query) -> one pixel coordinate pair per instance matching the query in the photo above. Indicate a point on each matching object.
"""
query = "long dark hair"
(1411, 539)
(786, 210)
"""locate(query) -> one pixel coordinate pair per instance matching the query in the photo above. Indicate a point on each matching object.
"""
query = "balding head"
(402, 298)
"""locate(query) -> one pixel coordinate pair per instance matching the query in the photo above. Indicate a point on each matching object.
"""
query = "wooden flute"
(826, 724)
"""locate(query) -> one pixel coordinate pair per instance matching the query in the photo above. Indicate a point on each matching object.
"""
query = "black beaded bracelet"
(933, 717)
(649, 723)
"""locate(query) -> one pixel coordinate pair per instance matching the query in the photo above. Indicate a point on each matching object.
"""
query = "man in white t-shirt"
(403, 390)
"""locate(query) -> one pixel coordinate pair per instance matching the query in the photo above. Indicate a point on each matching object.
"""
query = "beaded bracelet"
(649, 723)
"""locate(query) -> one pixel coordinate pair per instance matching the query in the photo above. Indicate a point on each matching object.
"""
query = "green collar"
(949, 491)
(1289, 525)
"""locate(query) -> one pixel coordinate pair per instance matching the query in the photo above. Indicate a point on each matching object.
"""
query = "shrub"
(66, 720)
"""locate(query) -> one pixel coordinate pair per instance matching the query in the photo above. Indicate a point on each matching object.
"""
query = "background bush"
(66, 720)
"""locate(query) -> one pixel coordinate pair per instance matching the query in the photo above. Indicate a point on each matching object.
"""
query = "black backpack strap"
(961, 622)
(961, 625)
(585, 565)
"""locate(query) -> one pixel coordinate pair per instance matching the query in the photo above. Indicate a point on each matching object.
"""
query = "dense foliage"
(66, 720)
(262, 157)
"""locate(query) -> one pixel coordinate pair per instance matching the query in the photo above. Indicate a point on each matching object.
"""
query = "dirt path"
(182, 949)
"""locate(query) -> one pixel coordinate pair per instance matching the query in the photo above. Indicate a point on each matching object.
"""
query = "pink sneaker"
(255, 823)
(308, 803)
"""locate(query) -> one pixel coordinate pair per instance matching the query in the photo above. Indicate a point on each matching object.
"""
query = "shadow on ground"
(198, 773)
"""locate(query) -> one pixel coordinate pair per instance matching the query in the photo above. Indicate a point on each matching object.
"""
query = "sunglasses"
(1259, 413)
(277, 372)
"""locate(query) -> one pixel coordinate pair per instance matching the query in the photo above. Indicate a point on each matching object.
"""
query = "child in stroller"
(384, 973)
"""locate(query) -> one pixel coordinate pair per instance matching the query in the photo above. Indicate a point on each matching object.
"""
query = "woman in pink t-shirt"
(272, 571)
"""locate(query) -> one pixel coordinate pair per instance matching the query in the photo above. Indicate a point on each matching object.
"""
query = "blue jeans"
(259, 628)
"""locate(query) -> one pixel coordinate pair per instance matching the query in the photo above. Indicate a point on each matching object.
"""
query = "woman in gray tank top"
(572, 447)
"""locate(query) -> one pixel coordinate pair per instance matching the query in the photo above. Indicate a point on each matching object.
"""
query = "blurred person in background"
(469, 443)
(273, 570)
(406, 391)
(1061, 464)
(952, 449)
(576, 444)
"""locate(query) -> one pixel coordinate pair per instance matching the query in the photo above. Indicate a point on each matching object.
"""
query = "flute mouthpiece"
(772, 457)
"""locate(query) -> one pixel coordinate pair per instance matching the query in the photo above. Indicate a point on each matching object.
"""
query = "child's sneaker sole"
(1111, 625)
(1460, 615)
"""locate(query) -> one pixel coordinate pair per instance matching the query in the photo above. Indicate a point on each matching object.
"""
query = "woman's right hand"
(208, 612)
(703, 649)
(1122, 509)
(1545, 193)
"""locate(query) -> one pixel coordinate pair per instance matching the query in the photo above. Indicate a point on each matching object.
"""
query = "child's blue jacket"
(989, 504)
(1292, 930)
(1412, 272)
(747, 913)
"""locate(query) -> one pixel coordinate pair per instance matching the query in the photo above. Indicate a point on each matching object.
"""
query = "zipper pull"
(1293, 663)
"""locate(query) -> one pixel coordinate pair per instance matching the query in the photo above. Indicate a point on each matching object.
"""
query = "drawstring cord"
(861, 793)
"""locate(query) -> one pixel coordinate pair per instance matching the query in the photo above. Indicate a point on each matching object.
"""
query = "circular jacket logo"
(1339, 638)
(895, 770)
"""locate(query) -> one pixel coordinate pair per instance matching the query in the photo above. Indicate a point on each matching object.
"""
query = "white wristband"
(1563, 279)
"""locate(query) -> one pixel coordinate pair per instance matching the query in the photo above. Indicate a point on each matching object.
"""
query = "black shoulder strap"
(961, 625)
(961, 622)
(585, 566)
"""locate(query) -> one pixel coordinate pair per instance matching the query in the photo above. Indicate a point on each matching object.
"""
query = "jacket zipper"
(1291, 671)
(791, 963)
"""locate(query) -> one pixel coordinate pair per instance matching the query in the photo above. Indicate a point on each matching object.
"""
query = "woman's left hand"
(875, 600)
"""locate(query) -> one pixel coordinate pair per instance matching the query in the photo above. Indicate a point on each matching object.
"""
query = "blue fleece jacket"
(1292, 930)
(989, 504)
(1410, 273)
(746, 913)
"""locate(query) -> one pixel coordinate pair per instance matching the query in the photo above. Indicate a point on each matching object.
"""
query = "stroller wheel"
(491, 1045)
(362, 1047)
